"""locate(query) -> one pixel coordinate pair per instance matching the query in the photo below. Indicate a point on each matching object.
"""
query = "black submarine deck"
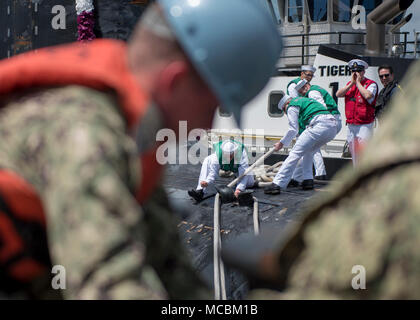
(196, 219)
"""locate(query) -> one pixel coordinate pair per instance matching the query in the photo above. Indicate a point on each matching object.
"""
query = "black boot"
(323, 177)
(256, 184)
(272, 189)
(245, 198)
(293, 184)
(308, 184)
(196, 194)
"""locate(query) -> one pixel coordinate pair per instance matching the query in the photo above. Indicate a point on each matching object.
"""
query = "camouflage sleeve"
(73, 148)
(360, 245)
(95, 225)
(75, 151)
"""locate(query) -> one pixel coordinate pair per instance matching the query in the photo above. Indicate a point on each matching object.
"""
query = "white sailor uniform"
(321, 129)
(210, 170)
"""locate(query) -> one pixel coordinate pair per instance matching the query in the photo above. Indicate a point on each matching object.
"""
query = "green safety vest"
(329, 101)
(295, 81)
(308, 108)
(232, 166)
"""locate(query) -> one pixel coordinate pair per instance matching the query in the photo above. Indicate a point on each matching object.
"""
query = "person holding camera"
(360, 98)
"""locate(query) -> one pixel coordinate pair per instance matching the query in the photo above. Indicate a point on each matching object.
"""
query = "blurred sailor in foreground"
(80, 185)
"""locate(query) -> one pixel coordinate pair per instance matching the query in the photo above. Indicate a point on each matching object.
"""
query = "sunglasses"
(308, 74)
(384, 75)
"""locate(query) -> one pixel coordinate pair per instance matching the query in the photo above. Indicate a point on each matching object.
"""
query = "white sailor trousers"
(318, 160)
(210, 170)
(358, 134)
(339, 122)
(209, 167)
(321, 130)
(318, 164)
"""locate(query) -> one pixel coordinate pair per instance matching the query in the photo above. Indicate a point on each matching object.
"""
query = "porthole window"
(273, 101)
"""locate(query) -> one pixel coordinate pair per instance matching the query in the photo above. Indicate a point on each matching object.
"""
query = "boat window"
(273, 101)
(398, 18)
(318, 10)
(295, 10)
(273, 9)
(369, 5)
(224, 113)
(342, 10)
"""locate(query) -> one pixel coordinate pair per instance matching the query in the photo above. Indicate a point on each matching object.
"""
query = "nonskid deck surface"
(196, 220)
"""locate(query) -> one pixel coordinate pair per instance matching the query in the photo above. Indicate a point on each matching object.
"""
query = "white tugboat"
(326, 34)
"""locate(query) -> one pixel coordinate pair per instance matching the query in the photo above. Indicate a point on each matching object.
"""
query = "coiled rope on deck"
(265, 174)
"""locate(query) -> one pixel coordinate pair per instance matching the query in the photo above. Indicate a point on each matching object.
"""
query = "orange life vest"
(100, 65)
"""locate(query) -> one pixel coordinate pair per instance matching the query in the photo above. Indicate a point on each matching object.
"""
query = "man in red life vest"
(79, 180)
(360, 97)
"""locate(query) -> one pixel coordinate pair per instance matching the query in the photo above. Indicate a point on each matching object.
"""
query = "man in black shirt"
(391, 86)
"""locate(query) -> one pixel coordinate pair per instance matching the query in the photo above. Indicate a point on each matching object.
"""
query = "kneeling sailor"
(230, 155)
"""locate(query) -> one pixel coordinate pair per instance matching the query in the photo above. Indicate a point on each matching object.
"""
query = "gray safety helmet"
(233, 44)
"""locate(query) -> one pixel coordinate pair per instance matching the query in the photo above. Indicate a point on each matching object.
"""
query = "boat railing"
(306, 43)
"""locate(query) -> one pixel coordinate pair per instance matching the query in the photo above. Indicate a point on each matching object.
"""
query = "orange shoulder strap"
(101, 65)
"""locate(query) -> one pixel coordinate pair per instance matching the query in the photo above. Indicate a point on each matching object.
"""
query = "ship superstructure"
(326, 34)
